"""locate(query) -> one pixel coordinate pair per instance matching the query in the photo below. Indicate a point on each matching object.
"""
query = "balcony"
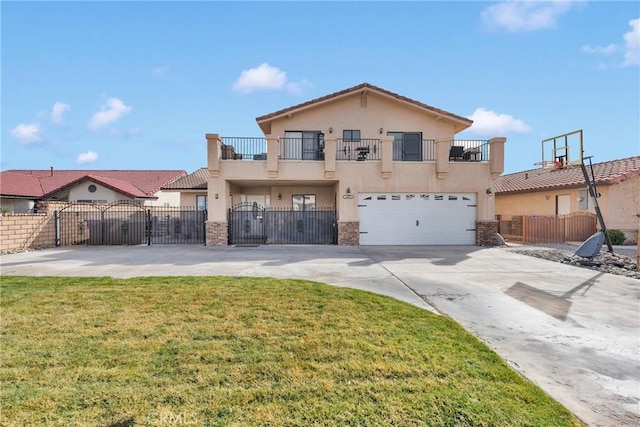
(467, 150)
(364, 149)
(358, 150)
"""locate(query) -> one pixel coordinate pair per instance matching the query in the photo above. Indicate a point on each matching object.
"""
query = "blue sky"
(137, 85)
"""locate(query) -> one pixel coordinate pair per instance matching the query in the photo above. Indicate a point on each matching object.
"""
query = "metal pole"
(57, 228)
(148, 227)
(594, 195)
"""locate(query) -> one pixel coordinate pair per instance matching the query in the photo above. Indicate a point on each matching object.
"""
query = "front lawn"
(245, 351)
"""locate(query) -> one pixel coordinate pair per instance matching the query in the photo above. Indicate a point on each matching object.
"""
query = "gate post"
(148, 227)
(204, 227)
(103, 227)
(56, 215)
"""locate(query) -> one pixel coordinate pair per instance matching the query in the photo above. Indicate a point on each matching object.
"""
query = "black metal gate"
(249, 223)
(126, 223)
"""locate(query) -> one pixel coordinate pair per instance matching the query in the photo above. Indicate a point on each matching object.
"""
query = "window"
(201, 203)
(303, 202)
(351, 135)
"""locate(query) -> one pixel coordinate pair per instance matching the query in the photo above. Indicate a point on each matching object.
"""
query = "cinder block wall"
(29, 231)
(26, 231)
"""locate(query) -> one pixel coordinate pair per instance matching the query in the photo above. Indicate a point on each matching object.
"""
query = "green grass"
(245, 351)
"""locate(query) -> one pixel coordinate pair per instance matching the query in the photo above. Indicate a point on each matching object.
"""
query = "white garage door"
(417, 218)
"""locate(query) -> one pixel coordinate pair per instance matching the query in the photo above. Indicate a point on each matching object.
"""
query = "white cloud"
(59, 108)
(263, 77)
(527, 15)
(27, 133)
(490, 123)
(88, 157)
(134, 132)
(599, 50)
(632, 44)
(110, 111)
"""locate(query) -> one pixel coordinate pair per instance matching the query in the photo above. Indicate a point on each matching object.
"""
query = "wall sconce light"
(216, 196)
(348, 190)
(380, 131)
(330, 130)
(279, 196)
(547, 197)
(488, 191)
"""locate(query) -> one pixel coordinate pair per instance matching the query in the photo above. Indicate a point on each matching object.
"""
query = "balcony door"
(407, 146)
(305, 145)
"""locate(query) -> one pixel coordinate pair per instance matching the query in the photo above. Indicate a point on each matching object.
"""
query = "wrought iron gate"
(250, 223)
(127, 223)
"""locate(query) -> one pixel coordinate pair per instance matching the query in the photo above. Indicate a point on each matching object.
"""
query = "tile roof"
(197, 180)
(20, 185)
(605, 173)
(137, 183)
(365, 86)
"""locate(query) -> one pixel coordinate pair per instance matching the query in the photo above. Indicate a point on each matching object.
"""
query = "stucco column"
(496, 150)
(442, 147)
(213, 153)
(329, 158)
(348, 223)
(386, 143)
(272, 156)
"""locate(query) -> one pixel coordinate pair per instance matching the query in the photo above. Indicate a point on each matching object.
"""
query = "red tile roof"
(366, 86)
(197, 180)
(135, 183)
(605, 173)
(20, 185)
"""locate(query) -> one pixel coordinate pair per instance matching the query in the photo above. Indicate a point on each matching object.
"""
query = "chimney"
(51, 170)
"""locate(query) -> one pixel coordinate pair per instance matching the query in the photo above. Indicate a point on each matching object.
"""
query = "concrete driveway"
(572, 331)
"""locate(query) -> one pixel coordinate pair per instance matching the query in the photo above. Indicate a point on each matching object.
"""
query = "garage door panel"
(414, 219)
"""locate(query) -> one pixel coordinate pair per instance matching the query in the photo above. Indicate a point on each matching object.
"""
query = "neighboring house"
(563, 190)
(20, 189)
(387, 165)
(192, 189)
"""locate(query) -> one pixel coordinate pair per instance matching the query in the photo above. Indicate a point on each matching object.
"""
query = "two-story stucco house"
(388, 167)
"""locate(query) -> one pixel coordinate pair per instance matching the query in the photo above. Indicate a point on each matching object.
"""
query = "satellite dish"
(591, 247)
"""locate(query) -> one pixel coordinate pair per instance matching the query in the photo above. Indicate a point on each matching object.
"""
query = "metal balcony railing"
(469, 150)
(428, 149)
(359, 150)
(244, 148)
(311, 148)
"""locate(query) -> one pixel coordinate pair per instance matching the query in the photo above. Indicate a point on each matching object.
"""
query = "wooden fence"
(573, 227)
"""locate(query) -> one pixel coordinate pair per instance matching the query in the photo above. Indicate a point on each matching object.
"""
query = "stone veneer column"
(486, 232)
(217, 233)
(349, 233)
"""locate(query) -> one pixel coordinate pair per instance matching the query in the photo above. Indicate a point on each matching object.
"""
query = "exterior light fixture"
(330, 130)
(380, 131)
(489, 192)
(279, 196)
(348, 190)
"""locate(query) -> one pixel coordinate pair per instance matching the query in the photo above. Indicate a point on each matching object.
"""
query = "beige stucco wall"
(165, 198)
(189, 198)
(242, 177)
(380, 112)
(619, 203)
(81, 192)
